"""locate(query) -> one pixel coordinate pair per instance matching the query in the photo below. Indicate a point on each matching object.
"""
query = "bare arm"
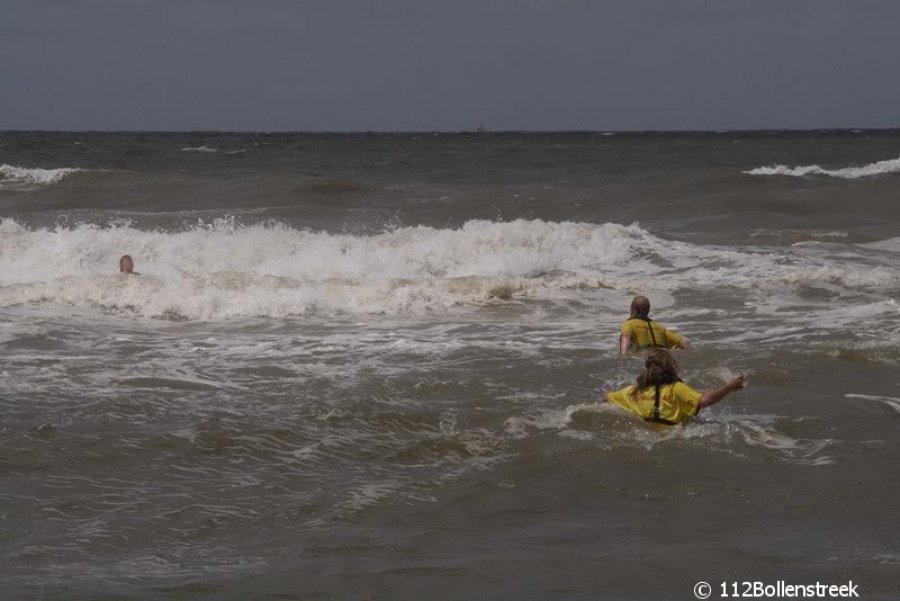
(685, 344)
(712, 397)
(624, 343)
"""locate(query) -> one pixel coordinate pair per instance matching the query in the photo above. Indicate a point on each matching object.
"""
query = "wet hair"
(640, 306)
(122, 262)
(660, 368)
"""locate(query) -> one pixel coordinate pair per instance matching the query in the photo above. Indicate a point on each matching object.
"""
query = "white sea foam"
(610, 427)
(891, 244)
(10, 174)
(226, 270)
(878, 168)
(202, 148)
(223, 270)
(890, 401)
(729, 433)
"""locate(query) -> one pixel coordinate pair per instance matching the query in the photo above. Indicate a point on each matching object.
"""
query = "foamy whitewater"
(11, 175)
(276, 271)
(879, 168)
(199, 149)
(368, 366)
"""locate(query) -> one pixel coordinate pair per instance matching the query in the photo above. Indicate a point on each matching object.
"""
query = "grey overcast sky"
(389, 65)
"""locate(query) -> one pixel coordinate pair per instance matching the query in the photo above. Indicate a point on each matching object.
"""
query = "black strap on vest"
(647, 320)
(656, 405)
(654, 417)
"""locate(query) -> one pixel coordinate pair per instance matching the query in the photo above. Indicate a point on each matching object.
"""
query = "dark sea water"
(367, 366)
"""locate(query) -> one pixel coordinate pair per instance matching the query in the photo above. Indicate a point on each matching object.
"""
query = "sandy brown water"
(367, 367)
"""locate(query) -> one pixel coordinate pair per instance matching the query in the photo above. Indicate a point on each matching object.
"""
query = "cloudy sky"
(388, 65)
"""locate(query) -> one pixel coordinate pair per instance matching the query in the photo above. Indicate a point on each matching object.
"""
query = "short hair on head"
(640, 306)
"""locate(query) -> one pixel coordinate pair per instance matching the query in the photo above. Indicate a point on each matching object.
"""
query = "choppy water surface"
(368, 366)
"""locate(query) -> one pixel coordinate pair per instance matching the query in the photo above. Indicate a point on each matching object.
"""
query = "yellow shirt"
(639, 330)
(676, 401)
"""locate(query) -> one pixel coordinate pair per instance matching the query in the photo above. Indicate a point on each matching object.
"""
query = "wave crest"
(223, 269)
(878, 168)
(10, 174)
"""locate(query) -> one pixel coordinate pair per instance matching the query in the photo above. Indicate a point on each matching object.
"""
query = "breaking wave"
(222, 269)
(11, 175)
(879, 168)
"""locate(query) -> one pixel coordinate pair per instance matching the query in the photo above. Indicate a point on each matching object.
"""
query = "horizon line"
(451, 132)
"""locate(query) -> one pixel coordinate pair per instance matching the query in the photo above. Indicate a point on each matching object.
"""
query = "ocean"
(368, 366)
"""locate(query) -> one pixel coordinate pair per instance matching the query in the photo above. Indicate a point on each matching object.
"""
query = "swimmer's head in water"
(659, 368)
(640, 306)
(126, 264)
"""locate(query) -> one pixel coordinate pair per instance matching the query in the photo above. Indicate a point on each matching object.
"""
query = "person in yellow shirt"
(640, 332)
(660, 396)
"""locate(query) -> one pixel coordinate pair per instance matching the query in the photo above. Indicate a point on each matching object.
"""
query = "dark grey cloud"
(448, 65)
